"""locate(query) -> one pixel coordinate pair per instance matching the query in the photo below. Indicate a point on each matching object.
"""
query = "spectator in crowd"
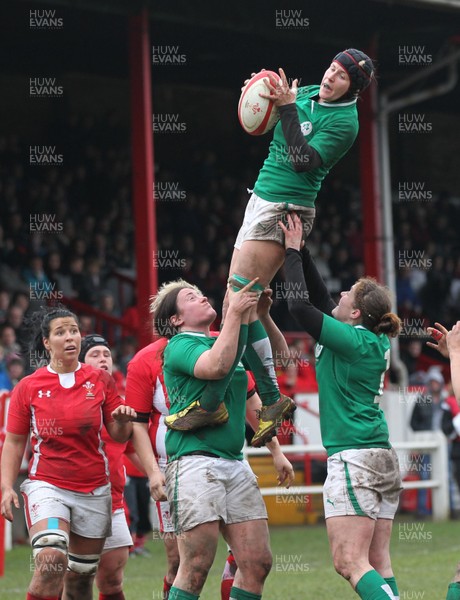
(107, 305)
(60, 281)
(5, 298)
(16, 369)
(15, 319)
(77, 277)
(8, 340)
(94, 283)
(35, 276)
(5, 381)
(410, 355)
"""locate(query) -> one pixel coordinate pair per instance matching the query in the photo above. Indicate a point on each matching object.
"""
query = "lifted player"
(318, 125)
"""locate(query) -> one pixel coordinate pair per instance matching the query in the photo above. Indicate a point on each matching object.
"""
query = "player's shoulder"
(149, 356)
(148, 351)
(377, 341)
(36, 378)
(27, 382)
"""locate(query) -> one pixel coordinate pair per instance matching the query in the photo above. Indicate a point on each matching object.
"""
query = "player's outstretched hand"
(292, 231)
(124, 414)
(439, 333)
(279, 91)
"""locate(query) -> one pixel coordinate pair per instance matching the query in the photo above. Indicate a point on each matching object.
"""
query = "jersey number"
(382, 377)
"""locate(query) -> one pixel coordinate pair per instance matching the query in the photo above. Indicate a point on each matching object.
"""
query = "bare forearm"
(143, 446)
(274, 447)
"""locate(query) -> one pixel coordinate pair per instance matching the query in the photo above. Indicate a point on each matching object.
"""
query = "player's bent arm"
(121, 428)
(303, 157)
(217, 362)
(12, 453)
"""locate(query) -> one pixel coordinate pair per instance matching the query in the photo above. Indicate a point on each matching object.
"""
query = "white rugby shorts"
(261, 220)
(202, 489)
(364, 482)
(89, 514)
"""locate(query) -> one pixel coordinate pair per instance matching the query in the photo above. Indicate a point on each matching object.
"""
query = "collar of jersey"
(315, 91)
(335, 104)
(197, 333)
(56, 373)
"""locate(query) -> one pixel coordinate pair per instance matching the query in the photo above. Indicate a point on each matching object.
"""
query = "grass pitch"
(424, 555)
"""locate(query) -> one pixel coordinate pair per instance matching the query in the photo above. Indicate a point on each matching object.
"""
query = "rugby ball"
(257, 115)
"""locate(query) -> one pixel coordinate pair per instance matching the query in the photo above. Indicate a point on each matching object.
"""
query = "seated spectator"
(15, 369)
(34, 275)
(94, 281)
(15, 318)
(77, 277)
(56, 276)
(5, 299)
(410, 353)
(107, 305)
(8, 340)
(86, 325)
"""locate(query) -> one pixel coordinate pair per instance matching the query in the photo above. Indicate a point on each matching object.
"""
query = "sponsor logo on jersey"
(41, 393)
(306, 127)
(318, 350)
(89, 386)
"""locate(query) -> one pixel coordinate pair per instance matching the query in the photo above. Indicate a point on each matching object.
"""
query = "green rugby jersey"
(350, 364)
(329, 128)
(226, 440)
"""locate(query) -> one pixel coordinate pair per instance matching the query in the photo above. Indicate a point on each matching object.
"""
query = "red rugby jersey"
(64, 414)
(146, 391)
